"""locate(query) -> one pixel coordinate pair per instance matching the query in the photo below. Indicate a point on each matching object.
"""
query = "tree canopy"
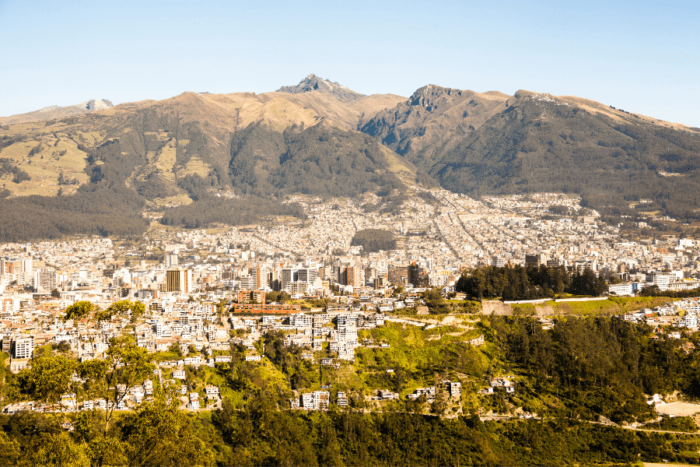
(526, 283)
(373, 240)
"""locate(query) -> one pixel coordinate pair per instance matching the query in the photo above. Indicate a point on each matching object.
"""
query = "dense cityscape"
(203, 292)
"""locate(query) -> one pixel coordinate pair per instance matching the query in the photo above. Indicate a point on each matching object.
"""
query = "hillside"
(184, 149)
(321, 138)
(431, 119)
(493, 144)
(544, 143)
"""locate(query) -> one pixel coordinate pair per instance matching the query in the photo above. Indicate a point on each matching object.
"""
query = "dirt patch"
(448, 320)
(679, 409)
(496, 308)
(544, 310)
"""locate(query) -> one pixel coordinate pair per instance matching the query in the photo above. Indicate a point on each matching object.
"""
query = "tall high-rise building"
(171, 260)
(44, 279)
(27, 265)
(397, 275)
(307, 275)
(178, 280)
(354, 276)
(534, 260)
(288, 275)
(262, 279)
(417, 276)
(23, 347)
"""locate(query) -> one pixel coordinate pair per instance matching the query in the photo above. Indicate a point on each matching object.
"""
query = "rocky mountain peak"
(432, 96)
(93, 104)
(316, 83)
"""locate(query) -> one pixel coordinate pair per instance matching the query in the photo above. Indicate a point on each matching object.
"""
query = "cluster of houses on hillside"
(681, 314)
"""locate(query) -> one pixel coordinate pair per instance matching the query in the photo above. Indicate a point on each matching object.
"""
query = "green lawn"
(611, 306)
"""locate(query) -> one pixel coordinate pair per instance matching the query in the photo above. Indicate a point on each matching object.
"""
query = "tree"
(121, 308)
(125, 366)
(175, 348)
(46, 381)
(79, 310)
(159, 433)
(55, 293)
(9, 450)
(436, 303)
(107, 450)
(59, 450)
(277, 297)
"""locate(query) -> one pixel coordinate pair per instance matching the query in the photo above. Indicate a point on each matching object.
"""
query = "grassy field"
(611, 306)
(45, 166)
(523, 309)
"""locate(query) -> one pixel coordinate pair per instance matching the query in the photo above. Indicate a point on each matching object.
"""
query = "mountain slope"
(545, 143)
(55, 111)
(431, 119)
(321, 160)
(160, 142)
(185, 149)
(325, 140)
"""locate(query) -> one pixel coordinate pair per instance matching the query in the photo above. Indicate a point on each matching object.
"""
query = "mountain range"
(321, 138)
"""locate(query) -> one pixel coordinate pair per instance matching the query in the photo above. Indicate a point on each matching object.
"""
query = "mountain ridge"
(56, 111)
(312, 140)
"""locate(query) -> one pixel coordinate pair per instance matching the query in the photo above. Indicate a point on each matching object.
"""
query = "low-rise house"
(212, 392)
(317, 400)
(342, 399)
(477, 341)
(455, 389)
(386, 395)
(503, 384)
(428, 392)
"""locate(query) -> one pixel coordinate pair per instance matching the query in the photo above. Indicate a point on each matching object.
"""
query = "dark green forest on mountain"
(571, 150)
(373, 240)
(241, 211)
(320, 160)
(93, 210)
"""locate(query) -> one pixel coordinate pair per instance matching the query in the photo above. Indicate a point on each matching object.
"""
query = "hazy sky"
(640, 56)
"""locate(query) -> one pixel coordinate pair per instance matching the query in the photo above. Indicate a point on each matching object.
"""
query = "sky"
(639, 56)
